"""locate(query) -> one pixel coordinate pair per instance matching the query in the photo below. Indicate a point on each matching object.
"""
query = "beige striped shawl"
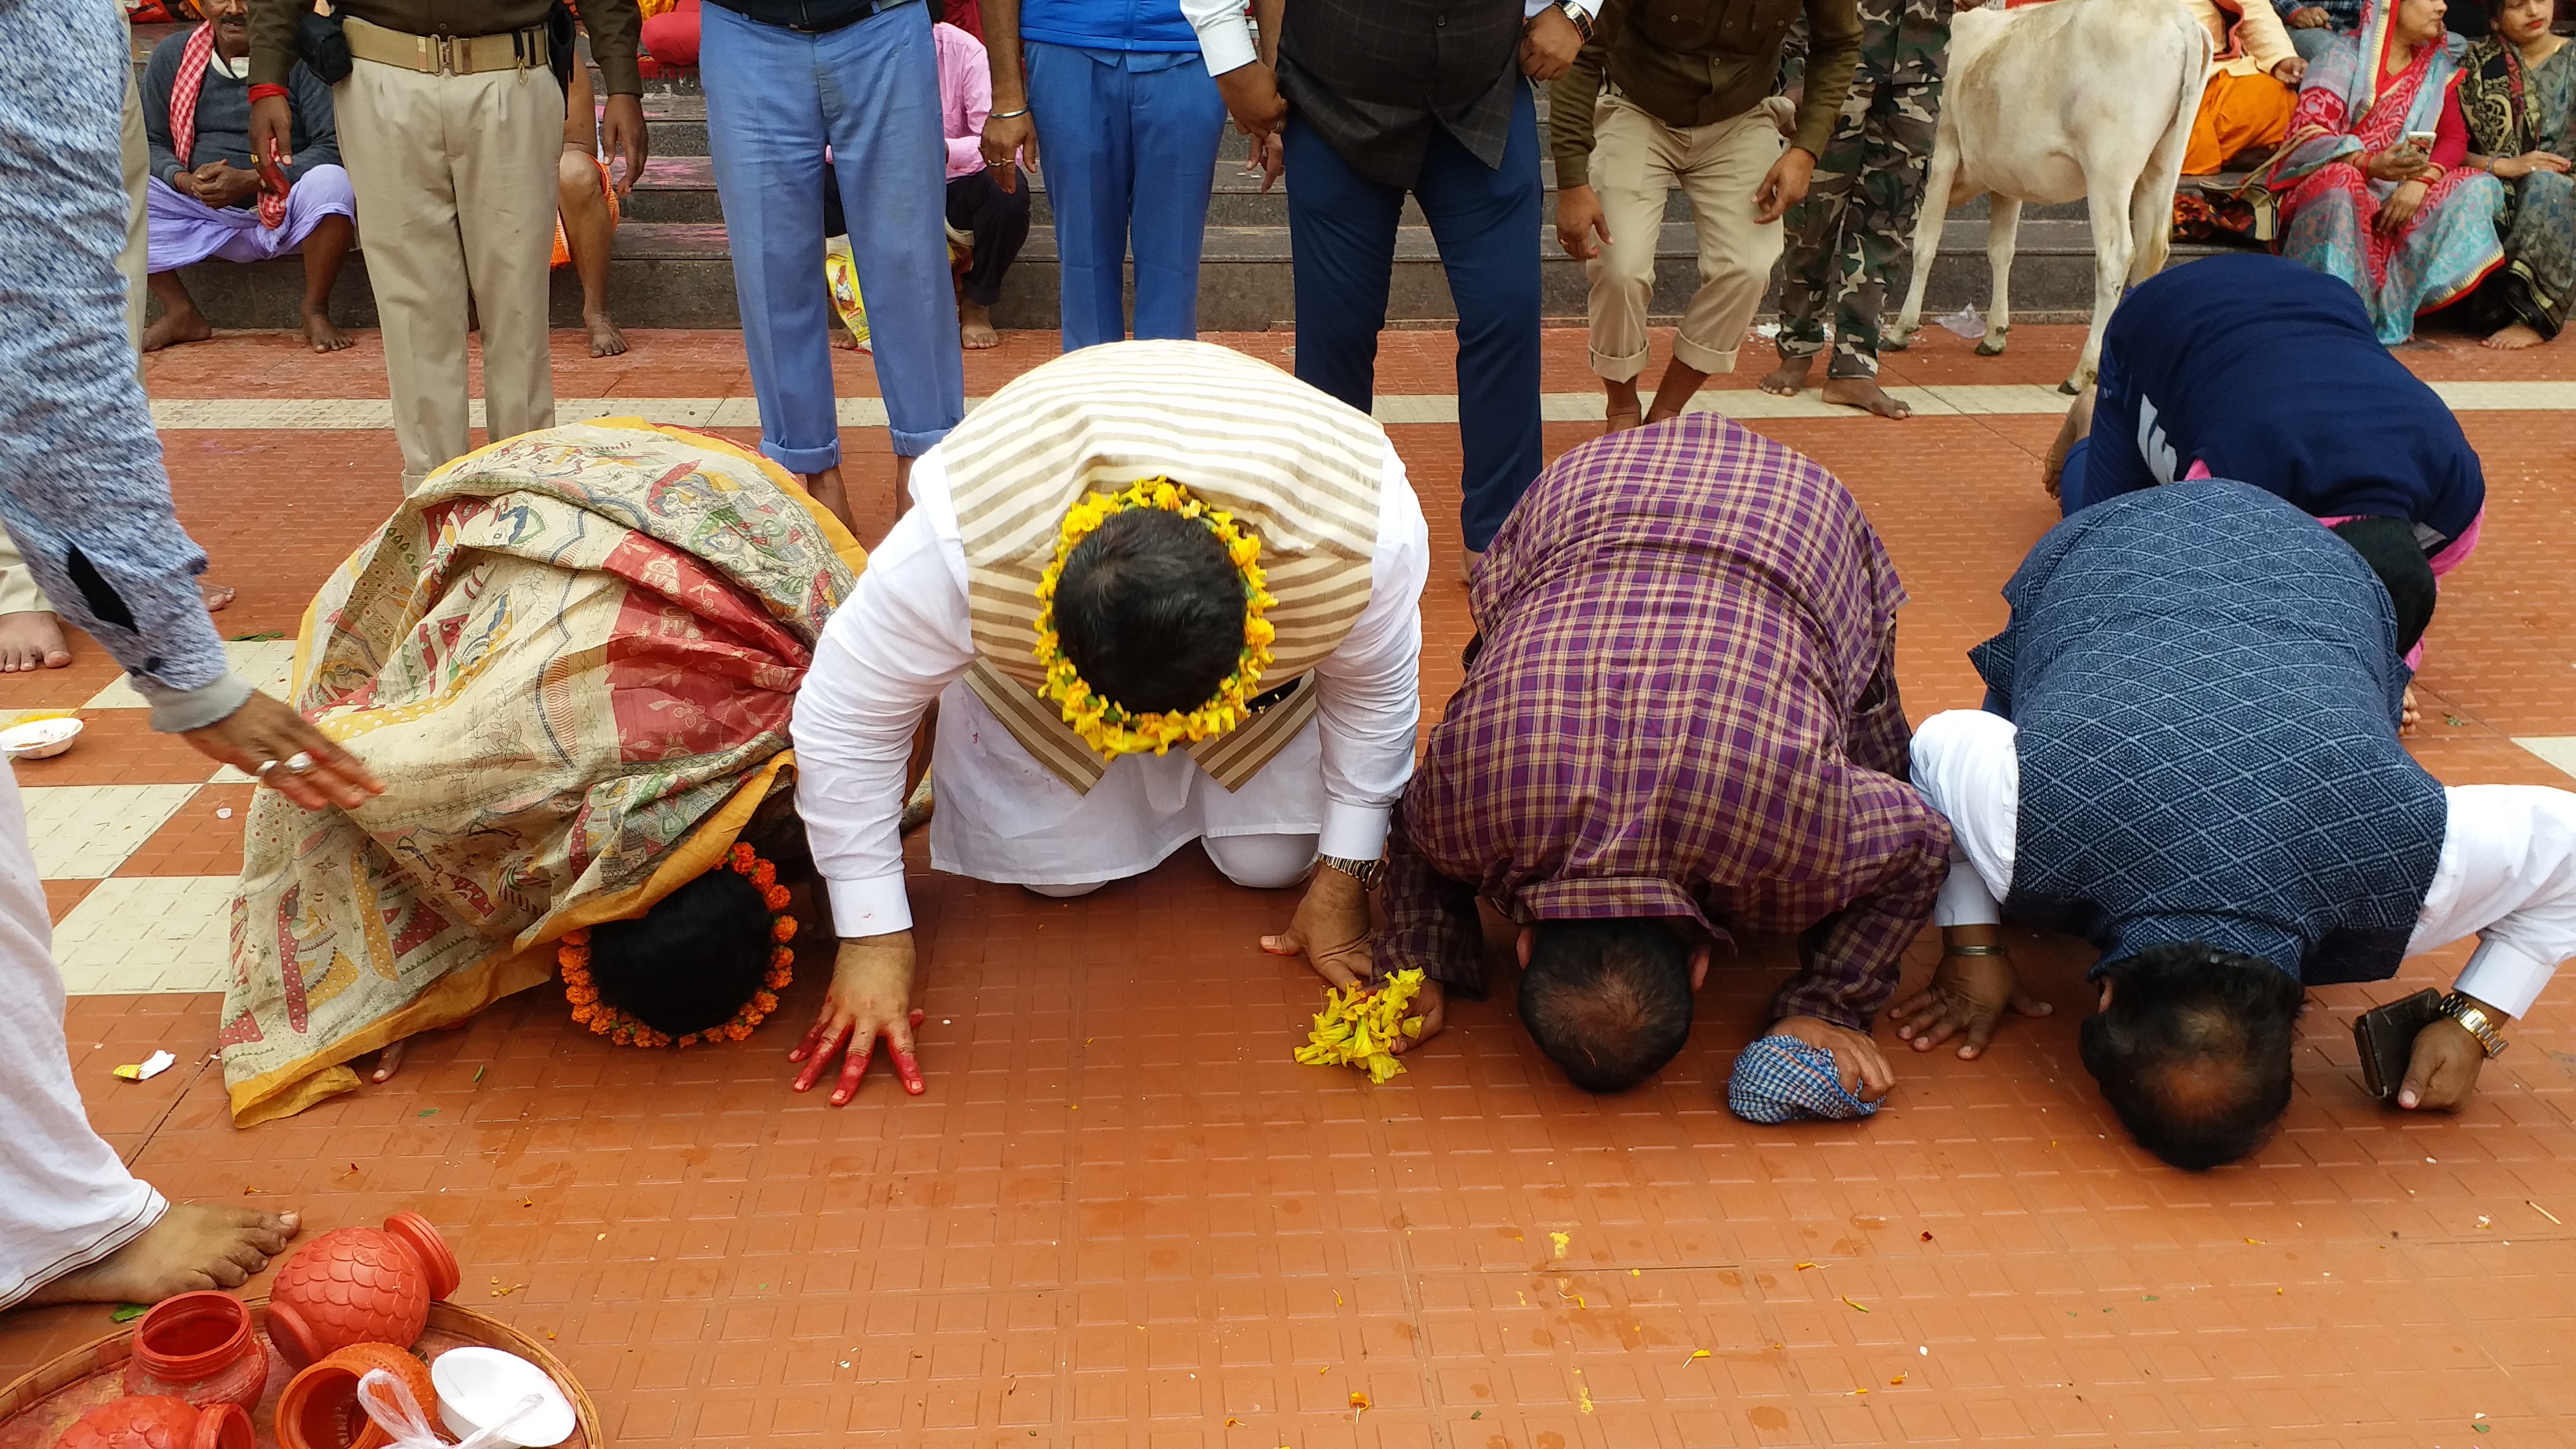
(1295, 467)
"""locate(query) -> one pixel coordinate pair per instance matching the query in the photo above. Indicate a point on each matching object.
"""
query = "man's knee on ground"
(1262, 862)
(2193, 1051)
(1609, 1001)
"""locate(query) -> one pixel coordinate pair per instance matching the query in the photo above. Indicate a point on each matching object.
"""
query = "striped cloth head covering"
(1293, 466)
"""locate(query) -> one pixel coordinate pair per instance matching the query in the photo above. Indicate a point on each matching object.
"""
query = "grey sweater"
(223, 117)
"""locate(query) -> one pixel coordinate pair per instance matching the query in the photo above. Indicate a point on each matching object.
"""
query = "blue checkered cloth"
(1780, 1079)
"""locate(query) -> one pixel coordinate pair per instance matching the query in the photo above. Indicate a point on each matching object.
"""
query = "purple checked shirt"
(1684, 706)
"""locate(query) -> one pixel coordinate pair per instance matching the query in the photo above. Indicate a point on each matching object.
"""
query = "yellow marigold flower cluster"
(1102, 724)
(572, 954)
(1357, 1027)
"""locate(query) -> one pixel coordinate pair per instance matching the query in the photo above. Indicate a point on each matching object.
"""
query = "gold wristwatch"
(2479, 1020)
(1366, 872)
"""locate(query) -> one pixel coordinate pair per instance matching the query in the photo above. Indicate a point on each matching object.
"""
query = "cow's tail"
(2151, 202)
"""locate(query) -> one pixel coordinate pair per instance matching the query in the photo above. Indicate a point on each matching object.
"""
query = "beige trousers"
(455, 178)
(1636, 162)
(18, 591)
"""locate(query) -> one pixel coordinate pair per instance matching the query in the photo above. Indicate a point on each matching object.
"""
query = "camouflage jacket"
(1902, 42)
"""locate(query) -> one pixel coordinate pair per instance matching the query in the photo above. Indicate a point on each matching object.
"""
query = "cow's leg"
(2114, 248)
(1927, 237)
(2003, 234)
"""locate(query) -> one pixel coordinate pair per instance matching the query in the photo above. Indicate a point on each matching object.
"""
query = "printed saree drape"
(571, 657)
(2351, 106)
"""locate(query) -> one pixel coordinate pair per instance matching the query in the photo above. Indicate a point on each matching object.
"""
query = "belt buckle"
(446, 54)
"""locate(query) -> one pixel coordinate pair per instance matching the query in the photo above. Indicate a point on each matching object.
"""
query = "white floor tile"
(264, 662)
(148, 933)
(2559, 750)
(84, 832)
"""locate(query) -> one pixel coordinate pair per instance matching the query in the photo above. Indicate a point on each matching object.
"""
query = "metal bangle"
(1006, 115)
(1972, 951)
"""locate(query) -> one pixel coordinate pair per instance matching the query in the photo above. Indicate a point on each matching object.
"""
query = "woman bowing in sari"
(2378, 192)
(2517, 98)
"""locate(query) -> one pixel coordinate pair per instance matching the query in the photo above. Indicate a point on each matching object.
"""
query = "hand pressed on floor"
(1431, 1004)
(1857, 1059)
(871, 997)
(1330, 929)
(2442, 1073)
(1968, 995)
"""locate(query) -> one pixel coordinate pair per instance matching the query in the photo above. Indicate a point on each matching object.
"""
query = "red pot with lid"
(152, 1421)
(359, 1285)
(198, 1348)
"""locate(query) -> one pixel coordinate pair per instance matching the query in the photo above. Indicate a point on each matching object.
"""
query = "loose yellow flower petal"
(1356, 1025)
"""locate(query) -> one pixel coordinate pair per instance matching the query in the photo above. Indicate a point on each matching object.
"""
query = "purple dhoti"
(185, 231)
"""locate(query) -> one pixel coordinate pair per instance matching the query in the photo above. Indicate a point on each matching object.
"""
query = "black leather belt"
(865, 10)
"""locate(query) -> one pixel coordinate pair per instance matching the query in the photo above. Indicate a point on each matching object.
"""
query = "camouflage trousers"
(1857, 223)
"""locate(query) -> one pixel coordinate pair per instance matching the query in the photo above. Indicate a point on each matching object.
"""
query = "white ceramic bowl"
(479, 1386)
(39, 739)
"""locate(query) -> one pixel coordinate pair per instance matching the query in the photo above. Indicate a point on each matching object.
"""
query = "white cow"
(2089, 98)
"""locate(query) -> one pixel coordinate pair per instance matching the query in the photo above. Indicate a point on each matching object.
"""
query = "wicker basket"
(40, 1405)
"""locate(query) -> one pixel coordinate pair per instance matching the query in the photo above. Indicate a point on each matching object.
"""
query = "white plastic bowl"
(478, 1386)
(39, 739)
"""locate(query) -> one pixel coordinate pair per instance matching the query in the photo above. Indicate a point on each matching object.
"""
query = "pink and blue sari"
(2352, 106)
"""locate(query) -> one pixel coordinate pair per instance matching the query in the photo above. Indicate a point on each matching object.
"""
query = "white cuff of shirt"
(1227, 47)
(877, 907)
(1353, 832)
(1964, 899)
(2504, 977)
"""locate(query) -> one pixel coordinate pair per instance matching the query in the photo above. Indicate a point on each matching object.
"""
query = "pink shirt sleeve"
(965, 97)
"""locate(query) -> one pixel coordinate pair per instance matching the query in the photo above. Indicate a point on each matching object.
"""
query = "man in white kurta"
(1198, 415)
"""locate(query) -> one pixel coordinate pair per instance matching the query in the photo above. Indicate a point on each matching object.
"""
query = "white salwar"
(66, 1201)
(903, 639)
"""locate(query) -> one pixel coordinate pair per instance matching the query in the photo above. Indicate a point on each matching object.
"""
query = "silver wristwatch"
(1367, 872)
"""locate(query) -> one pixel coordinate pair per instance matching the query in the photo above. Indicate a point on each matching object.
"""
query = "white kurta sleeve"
(2508, 874)
(888, 651)
(1369, 691)
(1225, 34)
(1966, 764)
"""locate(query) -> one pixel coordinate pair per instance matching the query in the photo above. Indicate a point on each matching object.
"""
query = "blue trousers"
(870, 91)
(1341, 227)
(1128, 141)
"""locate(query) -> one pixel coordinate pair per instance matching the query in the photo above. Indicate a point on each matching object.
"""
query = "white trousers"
(65, 1199)
(1004, 817)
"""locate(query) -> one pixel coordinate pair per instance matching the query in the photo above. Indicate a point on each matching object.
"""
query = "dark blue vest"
(2206, 687)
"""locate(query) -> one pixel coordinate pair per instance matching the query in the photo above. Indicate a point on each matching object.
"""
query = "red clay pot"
(199, 1347)
(358, 1285)
(319, 1408)
(151, 1421)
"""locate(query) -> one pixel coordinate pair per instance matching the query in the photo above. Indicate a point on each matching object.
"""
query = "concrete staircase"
(672, 267)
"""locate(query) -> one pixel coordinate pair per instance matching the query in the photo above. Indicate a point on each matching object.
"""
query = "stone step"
(680, 274)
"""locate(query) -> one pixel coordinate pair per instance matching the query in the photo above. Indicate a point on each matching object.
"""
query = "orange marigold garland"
(573, 955)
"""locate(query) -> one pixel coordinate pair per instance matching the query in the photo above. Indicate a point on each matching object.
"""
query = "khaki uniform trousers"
(18, 591)
(455, 180)
(1636, 162)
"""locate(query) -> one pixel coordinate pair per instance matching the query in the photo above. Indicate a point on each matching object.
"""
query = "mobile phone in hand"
(2386, 1037)
(2421, 141)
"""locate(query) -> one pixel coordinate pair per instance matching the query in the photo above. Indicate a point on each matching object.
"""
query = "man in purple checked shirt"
(1680, 722)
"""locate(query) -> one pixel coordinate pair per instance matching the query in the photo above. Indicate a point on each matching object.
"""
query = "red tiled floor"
(1121, 1215)
(117, 747)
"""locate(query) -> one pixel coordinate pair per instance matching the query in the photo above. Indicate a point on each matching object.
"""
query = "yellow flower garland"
(1101, 723)
(573, 955)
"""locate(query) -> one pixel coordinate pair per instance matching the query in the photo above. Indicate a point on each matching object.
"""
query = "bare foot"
(918, 810)
(975, 327)
(390, 1060)
(2514, 339)
(215, 596)
(2408, 716)
(1791, 375)
(1863, 393)
(325, 337)
(175, 328)
(607, 341)
(195, 1246)
(1469, 561)
(1620, 409)
(32, 640)
(842, 339)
